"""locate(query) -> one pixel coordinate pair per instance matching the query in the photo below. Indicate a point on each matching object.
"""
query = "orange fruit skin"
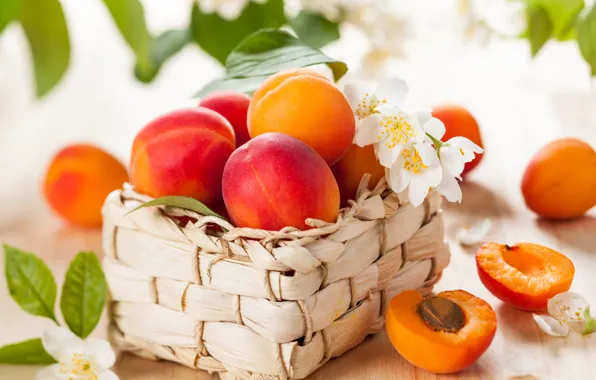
(349, 171)
(438, 351)
(460, 122)
(77, 181)
(524, 276)
(306, 105)
(560, 180)
(234, 107)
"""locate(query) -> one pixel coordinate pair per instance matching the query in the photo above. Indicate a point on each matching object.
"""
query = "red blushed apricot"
(305, 105)
(349, 171)
(79, 179)
(427, 345)
(526, 275)
(460, 122)
(560, 180)
(183, 153)
(275, 180)
(234, 107)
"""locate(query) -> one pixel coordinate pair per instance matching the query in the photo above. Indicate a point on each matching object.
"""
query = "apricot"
(234, 107)
(460, 122)
(560, 180)
(275, 180)
(524, 276)
(183, 153)
(78, 180)
(349, 171)
(442, 334)
(305, 105)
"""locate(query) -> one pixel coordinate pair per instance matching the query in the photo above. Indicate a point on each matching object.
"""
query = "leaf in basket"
(30, 282)
(186, 203)
(267, 52)
(26, 352)
(83, 294)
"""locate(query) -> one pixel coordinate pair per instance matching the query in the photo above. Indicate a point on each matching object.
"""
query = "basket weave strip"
(256, 304)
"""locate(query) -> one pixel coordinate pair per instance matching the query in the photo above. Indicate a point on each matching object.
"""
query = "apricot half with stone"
(441, 334)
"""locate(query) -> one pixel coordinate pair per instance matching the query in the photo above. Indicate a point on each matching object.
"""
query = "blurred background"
(458, 51)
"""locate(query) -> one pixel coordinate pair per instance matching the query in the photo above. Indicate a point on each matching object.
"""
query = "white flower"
(417, 167)
(567, 311)
(454, 154)
(77, 359)
(474, 235)
(228, 9)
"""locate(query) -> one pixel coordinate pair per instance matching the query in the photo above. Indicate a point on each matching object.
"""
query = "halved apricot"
(441, 334)
(525, 275)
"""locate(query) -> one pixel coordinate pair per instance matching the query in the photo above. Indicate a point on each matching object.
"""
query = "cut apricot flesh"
(525, 275)
(434, 350)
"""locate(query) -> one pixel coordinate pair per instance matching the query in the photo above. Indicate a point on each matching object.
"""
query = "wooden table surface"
(520, 105)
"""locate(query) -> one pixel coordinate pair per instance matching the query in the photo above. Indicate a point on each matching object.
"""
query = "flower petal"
(394, 91)
(434, 127)
(424, 115)
(452, 160)
(466, 147)
(449, 188)
(58, 339)
(428, 154)
(475, 234)
(355, 93)
(107, 375)
(369, 131)
(551, 326)
(386, 155)
(102, 352)
(568, 307)
(399, 178)
(417, 191)
(51, 372)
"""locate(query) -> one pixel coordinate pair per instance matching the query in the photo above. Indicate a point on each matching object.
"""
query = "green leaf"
(163, 47)
(26, 352)
(9, 11)
(586, 38)
(218, 36)
(540, 28)
(186, 203)
(563, 14)
(590, 324)
(45, 27)
(30, 282)
(314, 29)
(83, 294)
(267, 52)
(129, 17)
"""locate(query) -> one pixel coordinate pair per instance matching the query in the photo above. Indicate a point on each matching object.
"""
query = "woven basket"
(255, 304)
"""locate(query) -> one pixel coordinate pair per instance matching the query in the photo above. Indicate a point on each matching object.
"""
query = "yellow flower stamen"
(81, 366)
(368, 105)
(412, 161)
(396, 130)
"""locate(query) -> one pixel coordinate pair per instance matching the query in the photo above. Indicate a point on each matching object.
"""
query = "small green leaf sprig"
(33, 287)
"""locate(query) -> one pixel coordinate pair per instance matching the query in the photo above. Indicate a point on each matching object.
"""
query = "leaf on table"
(163, 47)
(83, 294)
(45, 27)
(218, 36)
(30, 282)
(586, 38)
(9, 11)
(314, 29)
(267, 52)
(26, 352)
(185, 203)
(540, 28)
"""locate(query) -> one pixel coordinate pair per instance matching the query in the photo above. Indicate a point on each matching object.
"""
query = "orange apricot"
(234, 107)
(78, 180)
(442, 334)
(305, 105)
(525, 275)
(560, 180)
(183, 153)
(275, 180)
(349, 170)
(460, 122)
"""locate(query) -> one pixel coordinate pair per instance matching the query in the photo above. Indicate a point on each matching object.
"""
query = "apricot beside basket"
(254, 304)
